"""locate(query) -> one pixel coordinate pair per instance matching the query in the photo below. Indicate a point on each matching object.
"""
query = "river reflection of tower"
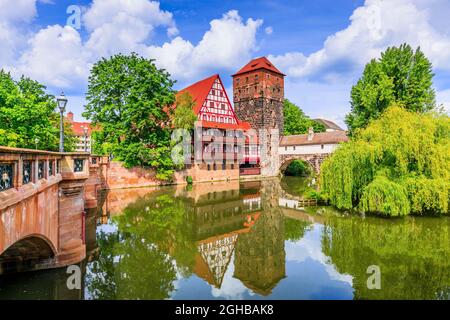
(233, 221)
(220, 219)
(260, 257)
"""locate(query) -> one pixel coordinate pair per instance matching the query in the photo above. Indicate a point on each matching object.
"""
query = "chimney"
(70, 116)
(310, 133)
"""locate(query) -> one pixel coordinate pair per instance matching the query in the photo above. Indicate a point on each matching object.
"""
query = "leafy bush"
(297, 168)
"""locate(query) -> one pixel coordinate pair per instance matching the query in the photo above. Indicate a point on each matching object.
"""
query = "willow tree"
(399, 164)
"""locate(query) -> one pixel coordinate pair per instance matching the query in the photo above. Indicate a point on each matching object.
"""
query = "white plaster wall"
(308, 149)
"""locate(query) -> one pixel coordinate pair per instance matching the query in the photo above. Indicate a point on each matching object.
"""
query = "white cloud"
(124, 25)
(228, 43)
(268, 30)
(56, 57)
(373, 27)
(14, 16)
(17, 10)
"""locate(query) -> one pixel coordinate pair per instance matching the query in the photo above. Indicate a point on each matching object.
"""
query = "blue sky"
(322, 45)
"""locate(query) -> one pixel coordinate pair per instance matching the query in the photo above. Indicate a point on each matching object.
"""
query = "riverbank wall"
(114, 175)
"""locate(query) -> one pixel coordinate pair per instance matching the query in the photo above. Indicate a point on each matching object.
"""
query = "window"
(41, 170)
(285, 148)
(224, 166)
(294, 148)
(50, 168)
(209, 167)
(232, 166)
(27, 172)
(205, 117)
(322, 146)
(211, 104)
(213, 92)
(94, 160)
(215, 166)
(213, 118)
(58, 166)
(6, 176)
(221, 119)
(246, 79)
(78, 165)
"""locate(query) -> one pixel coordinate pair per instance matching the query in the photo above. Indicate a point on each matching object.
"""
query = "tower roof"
(258, 63)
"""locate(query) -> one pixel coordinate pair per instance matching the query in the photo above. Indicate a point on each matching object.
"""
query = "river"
(250, 240)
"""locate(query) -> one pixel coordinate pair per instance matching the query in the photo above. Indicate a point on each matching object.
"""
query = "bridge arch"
(285, 164)
(26, 253)
(314, 161)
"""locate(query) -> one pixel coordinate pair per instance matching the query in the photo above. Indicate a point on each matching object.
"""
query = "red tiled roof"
(329, 124)
(259, 63)
(199, 91)
(78, 128)
(333, 137)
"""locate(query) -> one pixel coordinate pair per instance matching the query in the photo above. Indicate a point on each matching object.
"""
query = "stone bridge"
(43, 196)
(313, 148)
(314, 160)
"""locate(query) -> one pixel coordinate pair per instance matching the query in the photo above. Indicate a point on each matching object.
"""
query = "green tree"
(128, 96)
(401, 76)
(296, 122)
(184, 116)
(27, 115)
(399, 164)
(298, 168)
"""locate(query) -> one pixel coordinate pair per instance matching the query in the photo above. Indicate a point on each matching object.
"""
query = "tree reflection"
(413, 255)
(141, 258)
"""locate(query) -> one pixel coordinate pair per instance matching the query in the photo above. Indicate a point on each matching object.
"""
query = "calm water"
(245, 241)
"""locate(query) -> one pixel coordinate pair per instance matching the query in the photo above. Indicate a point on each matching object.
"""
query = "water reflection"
(245, 241)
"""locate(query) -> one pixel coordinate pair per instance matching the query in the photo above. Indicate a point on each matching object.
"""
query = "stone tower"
(258, 94)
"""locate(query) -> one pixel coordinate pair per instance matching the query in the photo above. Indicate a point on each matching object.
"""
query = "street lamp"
(62, 102)
(36, 142)
(85, 129)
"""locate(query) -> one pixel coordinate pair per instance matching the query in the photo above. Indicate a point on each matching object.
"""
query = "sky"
(322, 46)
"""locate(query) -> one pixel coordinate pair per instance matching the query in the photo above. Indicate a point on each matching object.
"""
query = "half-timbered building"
(225, 140)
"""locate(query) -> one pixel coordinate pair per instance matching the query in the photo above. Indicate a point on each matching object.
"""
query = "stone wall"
(261, 113)
(114, 175)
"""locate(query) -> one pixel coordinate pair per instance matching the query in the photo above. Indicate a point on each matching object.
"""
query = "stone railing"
(42, 201)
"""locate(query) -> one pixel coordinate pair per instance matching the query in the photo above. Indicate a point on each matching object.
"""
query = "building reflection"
(223, 220)
(235, 221)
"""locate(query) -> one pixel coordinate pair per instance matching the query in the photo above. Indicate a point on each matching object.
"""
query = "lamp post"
(62, 102)
(36, 142)
(85, 129)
